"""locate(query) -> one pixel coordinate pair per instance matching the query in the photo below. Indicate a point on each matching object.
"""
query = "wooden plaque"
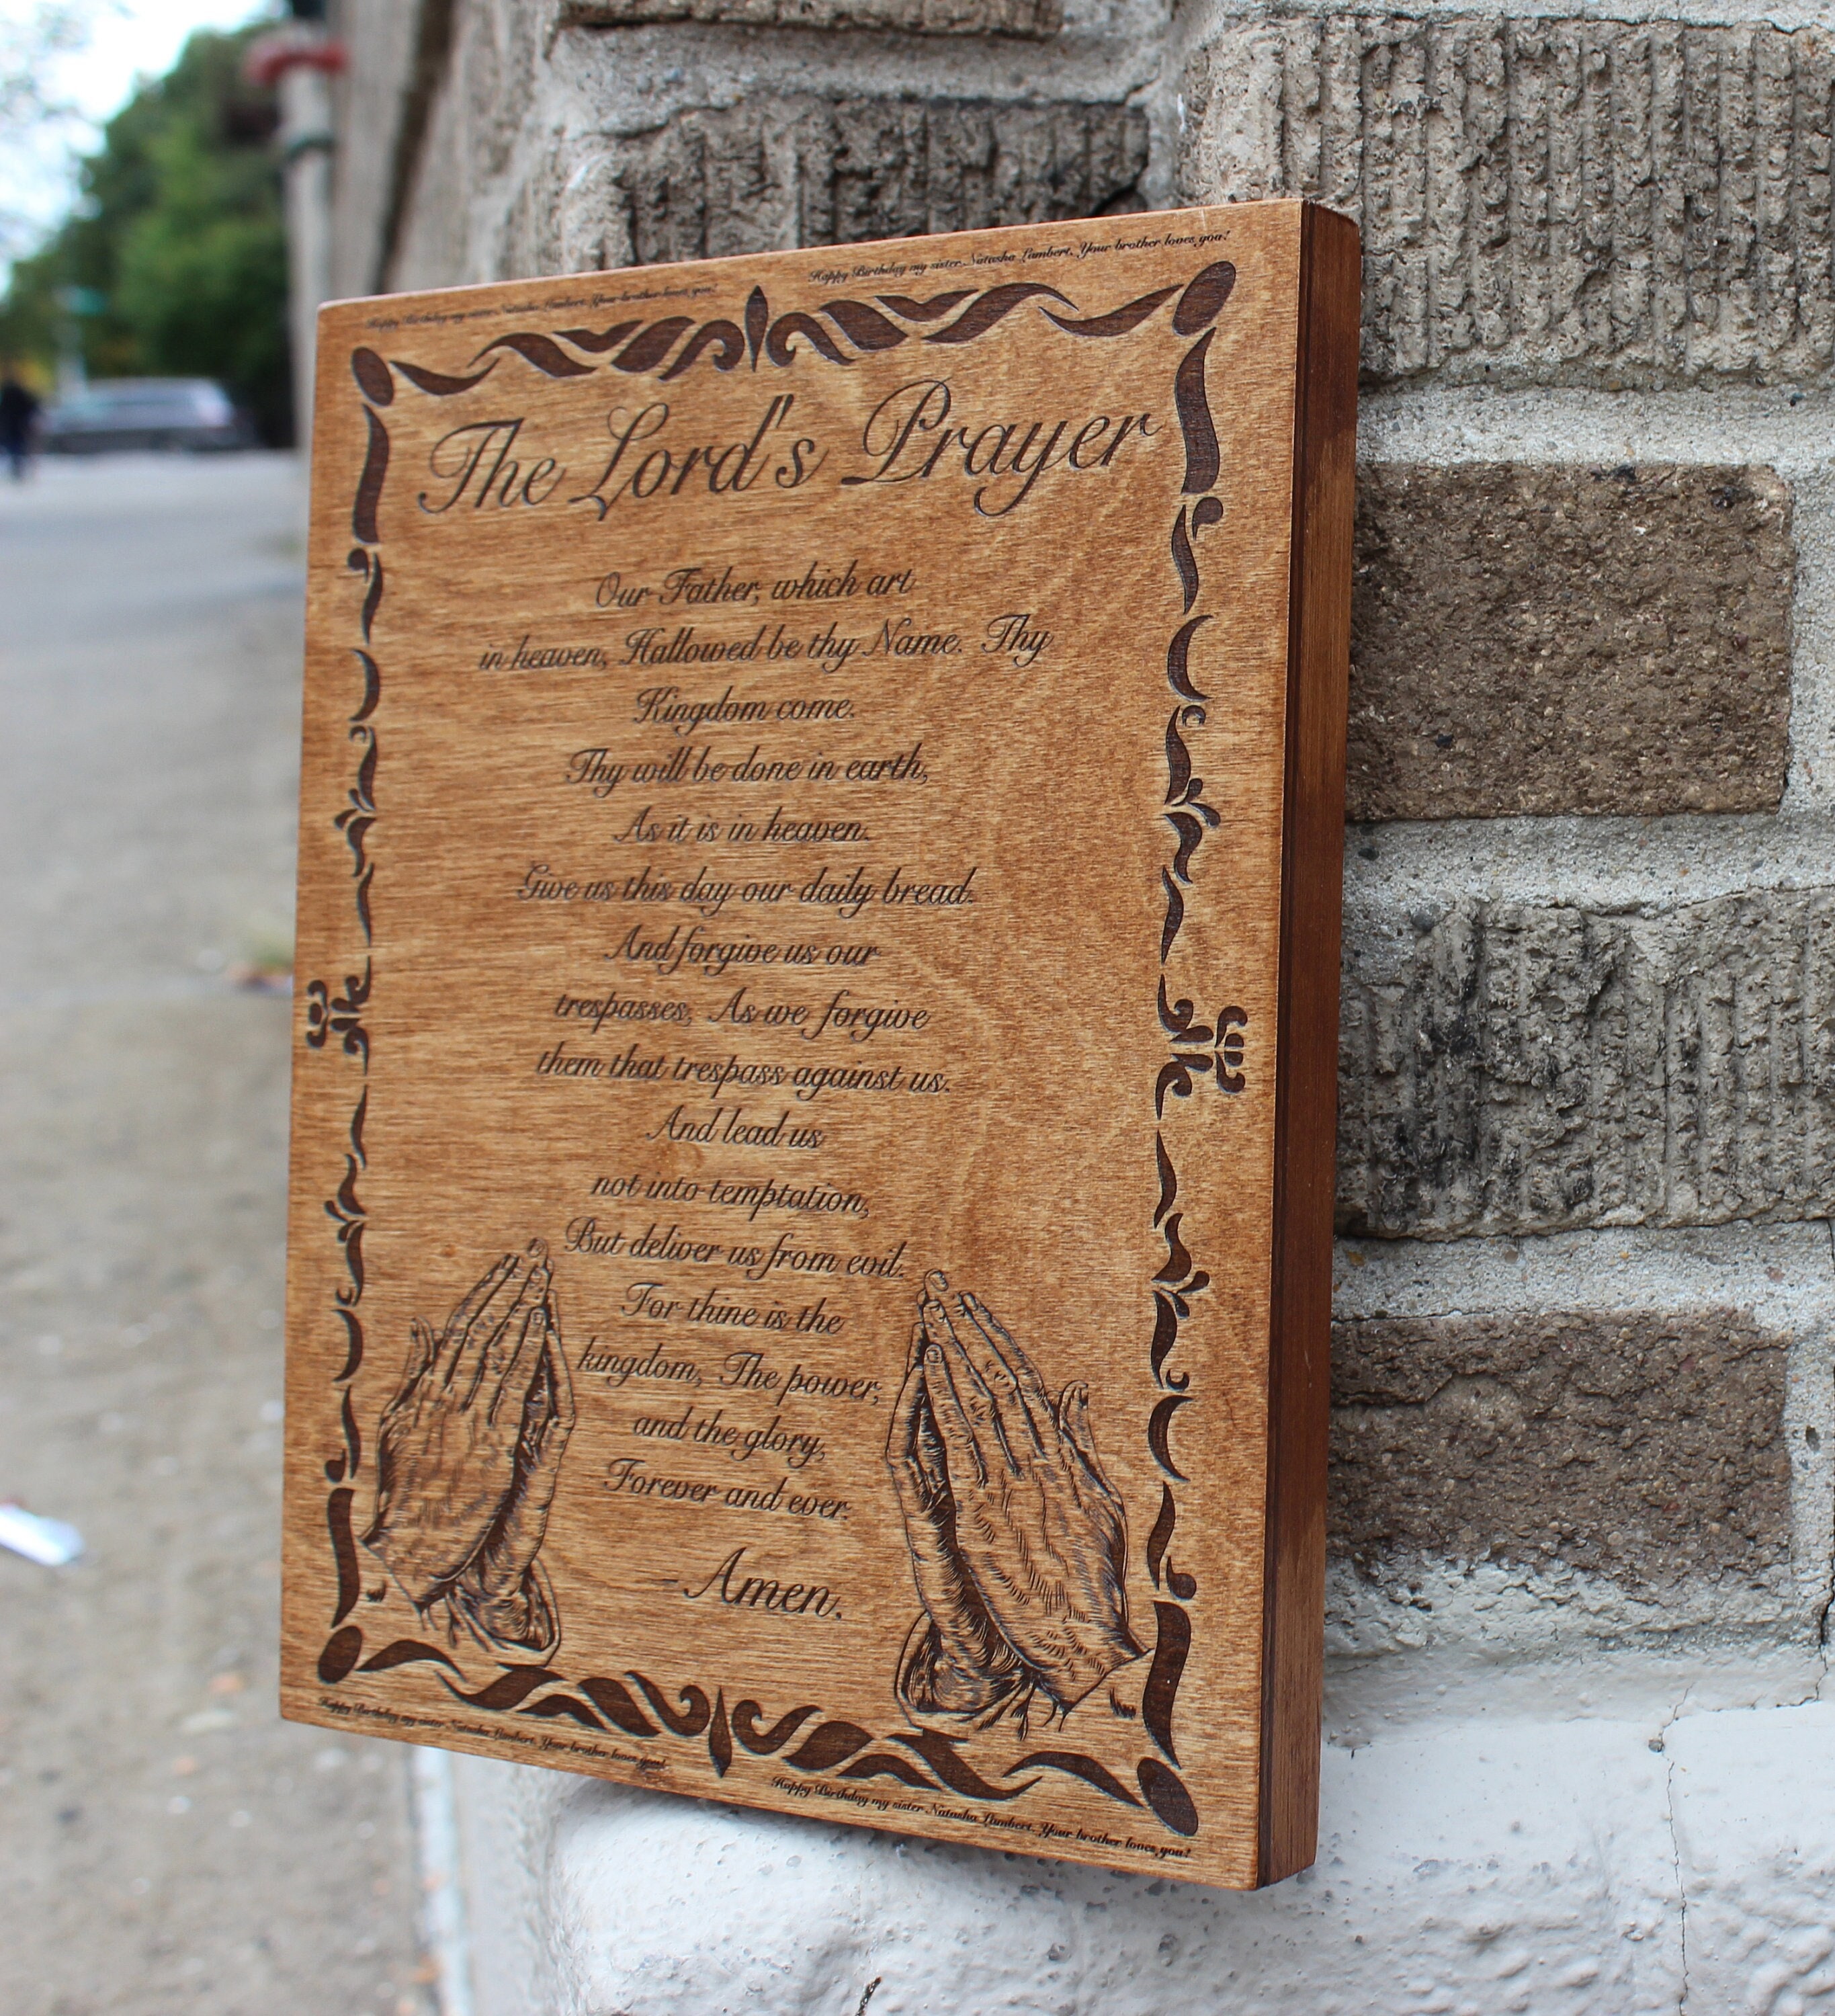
(816, 1016)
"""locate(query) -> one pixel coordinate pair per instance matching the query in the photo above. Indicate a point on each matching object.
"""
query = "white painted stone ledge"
(1638, 1862)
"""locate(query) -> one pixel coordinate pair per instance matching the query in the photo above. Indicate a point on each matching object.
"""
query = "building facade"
(1577, 1758)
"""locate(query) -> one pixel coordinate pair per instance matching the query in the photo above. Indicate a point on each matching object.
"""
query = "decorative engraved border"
(668, 348)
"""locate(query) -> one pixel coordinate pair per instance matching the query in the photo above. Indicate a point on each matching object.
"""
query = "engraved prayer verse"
(795, 789)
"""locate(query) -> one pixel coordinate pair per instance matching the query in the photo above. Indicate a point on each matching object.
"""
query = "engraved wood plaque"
(816, 1012)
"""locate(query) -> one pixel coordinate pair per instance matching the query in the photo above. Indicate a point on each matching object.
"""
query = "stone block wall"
(1547, 200)
(1586, 1294)
(1531, 639)
(1588, 1008)
(502, 138)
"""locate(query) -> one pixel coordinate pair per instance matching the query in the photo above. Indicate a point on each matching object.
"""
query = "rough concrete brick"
(374, 90)
(910, 17)
(1508, 1067)
(1546, 640)
(1556, 199)
(801, 171)
(1642, 1445)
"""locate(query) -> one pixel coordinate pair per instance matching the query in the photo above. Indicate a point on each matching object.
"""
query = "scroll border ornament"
(632, 1704)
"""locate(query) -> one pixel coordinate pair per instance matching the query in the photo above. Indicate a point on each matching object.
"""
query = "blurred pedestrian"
(19, 415)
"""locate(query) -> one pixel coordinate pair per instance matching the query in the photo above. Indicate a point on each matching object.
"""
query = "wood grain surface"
(817, 987)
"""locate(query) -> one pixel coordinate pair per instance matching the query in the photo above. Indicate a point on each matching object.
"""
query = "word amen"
(792, 1599)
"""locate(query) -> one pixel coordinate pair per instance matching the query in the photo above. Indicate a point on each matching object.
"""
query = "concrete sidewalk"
(168, 1847)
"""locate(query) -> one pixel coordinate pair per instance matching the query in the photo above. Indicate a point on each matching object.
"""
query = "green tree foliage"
(179, 232)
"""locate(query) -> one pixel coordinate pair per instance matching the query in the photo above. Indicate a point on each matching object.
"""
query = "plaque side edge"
(1313, 854)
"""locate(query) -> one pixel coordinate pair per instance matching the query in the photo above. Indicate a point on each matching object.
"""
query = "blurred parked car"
(193, 413)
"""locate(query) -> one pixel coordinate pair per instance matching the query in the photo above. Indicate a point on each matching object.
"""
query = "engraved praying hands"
(468, 1455)
(1018, 1540)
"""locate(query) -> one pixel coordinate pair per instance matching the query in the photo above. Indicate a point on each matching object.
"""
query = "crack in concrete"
(1675, 1852)
(1675, 1846)
(1681, 1895)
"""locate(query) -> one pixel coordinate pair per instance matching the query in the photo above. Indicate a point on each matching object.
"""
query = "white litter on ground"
(51, 1543)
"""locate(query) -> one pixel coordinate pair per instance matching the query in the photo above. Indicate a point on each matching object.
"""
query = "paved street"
(167, 1846)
